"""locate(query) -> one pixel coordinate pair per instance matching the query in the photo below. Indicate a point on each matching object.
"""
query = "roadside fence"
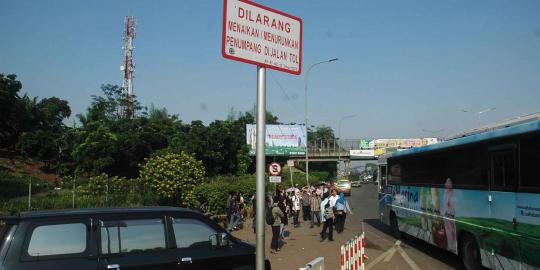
(353, 253)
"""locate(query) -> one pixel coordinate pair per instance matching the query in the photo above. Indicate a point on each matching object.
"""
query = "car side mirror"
(219, 240)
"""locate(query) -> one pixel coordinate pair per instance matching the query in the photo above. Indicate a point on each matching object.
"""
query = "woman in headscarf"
(342, 208)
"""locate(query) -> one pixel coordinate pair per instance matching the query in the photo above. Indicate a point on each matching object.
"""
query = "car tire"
(470, 253)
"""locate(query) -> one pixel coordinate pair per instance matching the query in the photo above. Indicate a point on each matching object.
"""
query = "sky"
(405, 68)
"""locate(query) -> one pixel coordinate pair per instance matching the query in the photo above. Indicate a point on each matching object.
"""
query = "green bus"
(477, 196)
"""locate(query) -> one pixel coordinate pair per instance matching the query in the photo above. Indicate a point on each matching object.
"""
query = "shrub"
(300, 178)
(12, 186)
(217, 190)
(173, 178)
(64, 199)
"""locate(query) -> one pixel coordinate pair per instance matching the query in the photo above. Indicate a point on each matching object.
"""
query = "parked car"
(343, 185)
(113, 239)
(368, 178)
(356, 183)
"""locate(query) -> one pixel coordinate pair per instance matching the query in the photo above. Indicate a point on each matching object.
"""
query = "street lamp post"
(339, 136)
(433, 131)
(306, 113)
(479, 113)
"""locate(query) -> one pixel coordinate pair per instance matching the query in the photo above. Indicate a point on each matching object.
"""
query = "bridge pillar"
(347, 167)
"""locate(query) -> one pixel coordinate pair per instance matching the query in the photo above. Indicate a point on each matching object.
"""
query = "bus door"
(528, 201)
(385, 195)
(501, 246)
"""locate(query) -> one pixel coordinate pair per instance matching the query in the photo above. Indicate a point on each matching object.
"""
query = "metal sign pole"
(29, 193)
(292, 183)
(260, 191)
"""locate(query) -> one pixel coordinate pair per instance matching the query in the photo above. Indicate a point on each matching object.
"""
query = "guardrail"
(317, 264)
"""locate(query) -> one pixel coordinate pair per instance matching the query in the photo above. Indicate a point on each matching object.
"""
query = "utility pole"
(306, 113)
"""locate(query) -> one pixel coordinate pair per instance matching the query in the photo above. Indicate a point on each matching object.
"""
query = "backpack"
(269, 216)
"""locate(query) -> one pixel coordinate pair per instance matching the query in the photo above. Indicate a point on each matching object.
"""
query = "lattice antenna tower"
(128, 68)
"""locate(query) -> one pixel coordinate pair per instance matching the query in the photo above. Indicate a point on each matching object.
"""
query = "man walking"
(233, 214)
(315, 204)
(296, 208)
(333, 197)
(306, 209)
(277, 215)
(328, 219)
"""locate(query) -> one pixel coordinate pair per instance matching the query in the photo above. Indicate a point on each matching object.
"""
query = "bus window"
(395, 172)
(530, 162)
(468, 167)
(503, 169)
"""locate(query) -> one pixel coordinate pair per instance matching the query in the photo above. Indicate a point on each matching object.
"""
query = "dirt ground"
(303, 245)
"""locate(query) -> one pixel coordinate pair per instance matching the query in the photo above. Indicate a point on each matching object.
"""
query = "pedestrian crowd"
(316, 206)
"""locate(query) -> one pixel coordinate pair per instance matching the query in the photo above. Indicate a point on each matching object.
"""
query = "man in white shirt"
(296, 207)
(333, 197)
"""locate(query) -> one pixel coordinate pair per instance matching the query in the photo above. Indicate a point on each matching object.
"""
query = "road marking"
(387, 256)
(390, 255)
(408, 259)
(378, 259)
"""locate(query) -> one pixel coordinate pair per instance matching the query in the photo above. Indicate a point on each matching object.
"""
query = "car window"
(123, 236)
(191, 233)
(58, 239)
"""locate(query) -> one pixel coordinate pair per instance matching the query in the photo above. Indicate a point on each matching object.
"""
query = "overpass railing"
(332, 148)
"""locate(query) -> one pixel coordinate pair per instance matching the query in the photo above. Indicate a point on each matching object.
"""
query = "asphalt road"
(387, 252)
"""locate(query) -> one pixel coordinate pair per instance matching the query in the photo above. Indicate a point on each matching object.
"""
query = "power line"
(284, 93)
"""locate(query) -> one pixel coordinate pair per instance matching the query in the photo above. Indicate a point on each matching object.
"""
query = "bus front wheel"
(470, 254)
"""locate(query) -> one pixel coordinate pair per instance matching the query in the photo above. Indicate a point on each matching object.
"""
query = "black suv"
(135, 238)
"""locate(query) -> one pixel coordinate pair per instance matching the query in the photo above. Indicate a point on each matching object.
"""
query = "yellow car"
(343, 185)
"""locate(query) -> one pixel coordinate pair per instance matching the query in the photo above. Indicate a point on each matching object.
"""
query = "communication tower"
(128, 68)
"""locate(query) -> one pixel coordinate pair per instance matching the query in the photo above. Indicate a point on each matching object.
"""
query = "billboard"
(281, 140)
(395, 143)
(368, 153)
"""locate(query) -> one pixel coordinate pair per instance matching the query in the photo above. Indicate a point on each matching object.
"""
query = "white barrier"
(317, 264)
(353, 253)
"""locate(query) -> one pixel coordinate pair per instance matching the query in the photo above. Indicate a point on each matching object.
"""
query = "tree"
(97, 152)
(109, 106)
(52, 112)
(324, 133)
(41, 144)
(173, 177)
(12, 110)
(44, 129)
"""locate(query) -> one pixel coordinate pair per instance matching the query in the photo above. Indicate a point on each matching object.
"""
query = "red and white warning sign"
(274, 169)
(259, 35)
